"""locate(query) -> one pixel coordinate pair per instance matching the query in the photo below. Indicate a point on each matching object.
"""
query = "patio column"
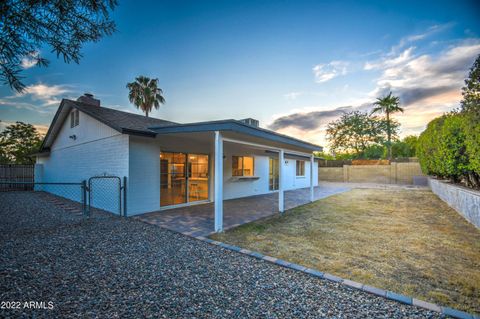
(312, 163)
(281, 163)
(218, 183)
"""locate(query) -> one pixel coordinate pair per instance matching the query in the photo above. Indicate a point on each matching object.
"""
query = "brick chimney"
(88, 98)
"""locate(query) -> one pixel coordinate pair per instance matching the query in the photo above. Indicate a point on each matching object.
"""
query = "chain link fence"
(107, 193)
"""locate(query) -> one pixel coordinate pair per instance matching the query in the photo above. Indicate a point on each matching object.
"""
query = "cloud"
(30, 60)
(326, 72)
(415, 78)
(420, 36)
(47, 94)
(406, 55)
(428, 85)
(307, 120)
(292, 95)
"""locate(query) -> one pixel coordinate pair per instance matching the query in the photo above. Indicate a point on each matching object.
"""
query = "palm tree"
(388, 104)
(145, 94)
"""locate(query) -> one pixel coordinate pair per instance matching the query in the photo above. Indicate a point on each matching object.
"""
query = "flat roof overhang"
(239, 130)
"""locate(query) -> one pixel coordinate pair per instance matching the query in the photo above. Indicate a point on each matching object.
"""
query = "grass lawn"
(407, 241)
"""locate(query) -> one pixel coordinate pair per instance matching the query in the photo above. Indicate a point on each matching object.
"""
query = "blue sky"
(294, 65)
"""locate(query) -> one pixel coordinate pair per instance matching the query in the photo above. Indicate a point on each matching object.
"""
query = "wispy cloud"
(292, 95)
(47, 94)
(328, 71)
(420, 36)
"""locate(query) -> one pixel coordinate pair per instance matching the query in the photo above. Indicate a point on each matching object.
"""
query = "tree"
(355, 131)
(471, 90)
(388, 104)
(470, 106)
(17, 142)
(405, 148)
(27, 26)
(411, 141)
(145, 94)
(375, 151)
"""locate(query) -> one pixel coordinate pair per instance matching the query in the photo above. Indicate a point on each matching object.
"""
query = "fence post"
(84, 197)
(125, 196)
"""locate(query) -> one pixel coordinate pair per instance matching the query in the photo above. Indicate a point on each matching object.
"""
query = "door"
(197, 177)
(183, 178)
(173, 178)
(273, 174)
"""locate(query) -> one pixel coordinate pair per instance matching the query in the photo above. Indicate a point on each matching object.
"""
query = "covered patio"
(199, 220)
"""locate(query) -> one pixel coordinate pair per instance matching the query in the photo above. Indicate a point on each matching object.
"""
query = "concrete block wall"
(331, 174)
(395, 173)
(465, 201)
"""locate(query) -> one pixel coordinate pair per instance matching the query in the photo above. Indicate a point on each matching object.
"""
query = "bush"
(449, 148)
(375, 151)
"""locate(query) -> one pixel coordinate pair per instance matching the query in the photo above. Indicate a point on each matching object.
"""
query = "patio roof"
(237, 127)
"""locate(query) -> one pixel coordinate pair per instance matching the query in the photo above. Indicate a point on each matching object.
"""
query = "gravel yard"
(113, 267)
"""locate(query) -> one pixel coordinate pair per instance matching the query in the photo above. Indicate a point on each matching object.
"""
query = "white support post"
(281, 178)
(218, 182)
(312, 163)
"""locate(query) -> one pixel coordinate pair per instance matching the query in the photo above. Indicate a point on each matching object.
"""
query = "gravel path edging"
(455, 313)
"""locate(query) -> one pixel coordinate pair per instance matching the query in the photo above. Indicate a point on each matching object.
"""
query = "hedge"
(450, 148)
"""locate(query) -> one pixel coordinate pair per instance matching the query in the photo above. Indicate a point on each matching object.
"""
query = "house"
(168, 164)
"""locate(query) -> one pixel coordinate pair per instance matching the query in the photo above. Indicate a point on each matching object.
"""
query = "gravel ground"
(113, 267)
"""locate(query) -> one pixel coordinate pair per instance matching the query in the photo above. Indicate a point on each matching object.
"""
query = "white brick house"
(169, 164)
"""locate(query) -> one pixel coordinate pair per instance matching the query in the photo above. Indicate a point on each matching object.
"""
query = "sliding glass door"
(173, 178)
(183, 178)
(197, 180)
(273, 175)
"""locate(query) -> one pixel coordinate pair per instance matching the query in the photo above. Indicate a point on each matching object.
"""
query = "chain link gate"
(105, 192)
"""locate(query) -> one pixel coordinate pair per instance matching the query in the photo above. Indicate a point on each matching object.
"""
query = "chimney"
(250, 121)
(88, 98)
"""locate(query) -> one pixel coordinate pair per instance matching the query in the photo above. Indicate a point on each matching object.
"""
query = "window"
(300, 168)
(242, 166)
(74, 118)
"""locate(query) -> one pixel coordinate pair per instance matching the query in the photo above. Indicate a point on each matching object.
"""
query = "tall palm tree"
(145, 94)
(388, 104)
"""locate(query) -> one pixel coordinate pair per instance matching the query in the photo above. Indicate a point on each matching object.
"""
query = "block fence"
(395, 173)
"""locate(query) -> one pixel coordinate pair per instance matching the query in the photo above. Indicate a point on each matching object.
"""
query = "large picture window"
(300, 169)
(242, 166)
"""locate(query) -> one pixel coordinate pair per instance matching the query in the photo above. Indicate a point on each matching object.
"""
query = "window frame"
(302, 168)
(242, 159)
(74, 118)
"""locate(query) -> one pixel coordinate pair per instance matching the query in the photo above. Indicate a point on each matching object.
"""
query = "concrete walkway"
(198, 220)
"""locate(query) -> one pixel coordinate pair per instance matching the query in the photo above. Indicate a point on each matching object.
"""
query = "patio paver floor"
(198, 220)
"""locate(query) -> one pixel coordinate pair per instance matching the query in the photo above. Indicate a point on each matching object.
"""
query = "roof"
(238, 127)
(134, 124)
(123, 122)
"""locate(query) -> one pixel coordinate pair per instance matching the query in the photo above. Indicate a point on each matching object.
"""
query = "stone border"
(352, 284)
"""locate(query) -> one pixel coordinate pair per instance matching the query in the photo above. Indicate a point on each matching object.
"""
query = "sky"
(293, 65)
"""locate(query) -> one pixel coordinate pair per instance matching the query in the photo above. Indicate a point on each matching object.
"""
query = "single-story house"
(168, 164)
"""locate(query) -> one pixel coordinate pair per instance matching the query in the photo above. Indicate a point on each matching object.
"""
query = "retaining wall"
(463, 200)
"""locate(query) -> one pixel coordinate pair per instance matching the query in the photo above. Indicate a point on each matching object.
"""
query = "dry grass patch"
(407, 241)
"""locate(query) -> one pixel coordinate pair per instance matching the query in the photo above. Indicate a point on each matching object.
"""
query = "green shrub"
(472, 142)
(450, 148)
(375, 151)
